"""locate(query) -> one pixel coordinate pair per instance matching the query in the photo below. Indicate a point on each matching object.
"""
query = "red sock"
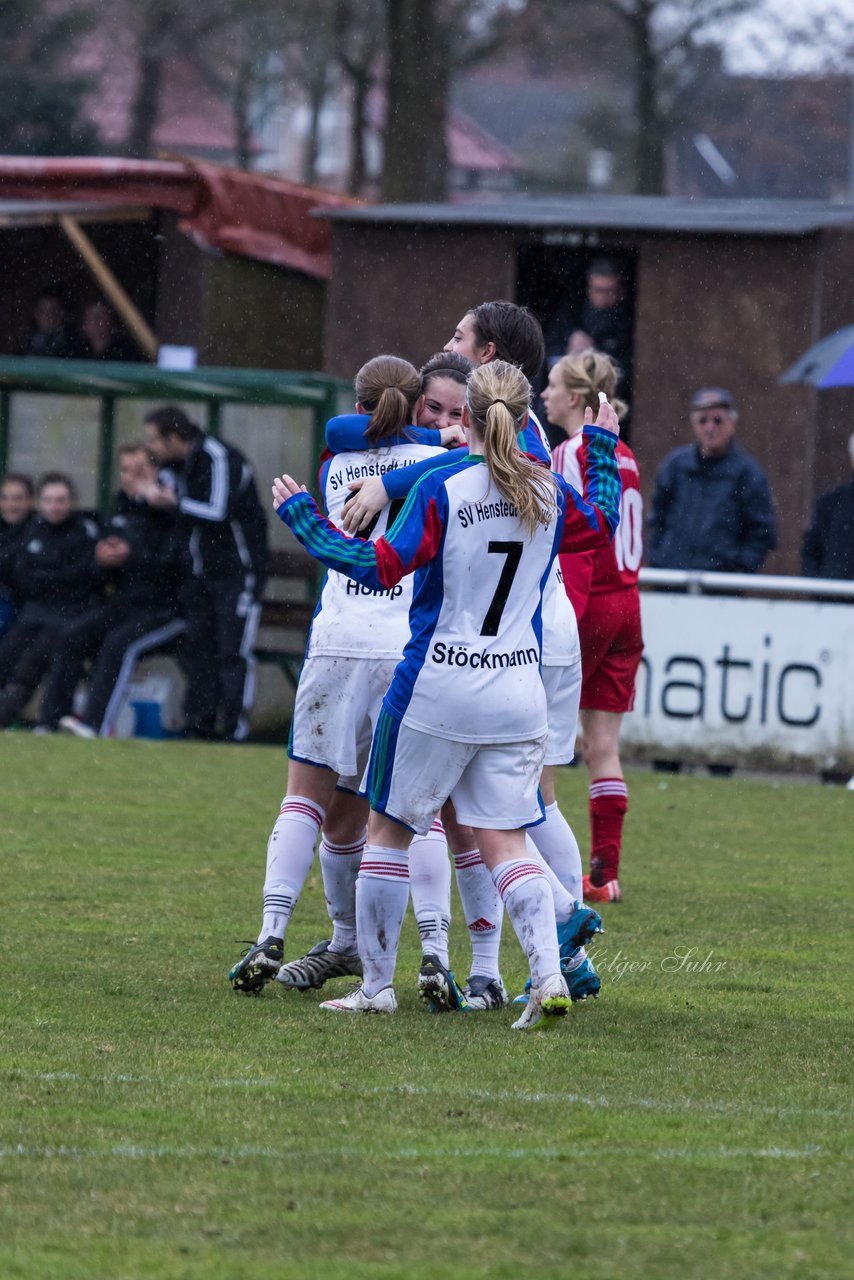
(609, 800)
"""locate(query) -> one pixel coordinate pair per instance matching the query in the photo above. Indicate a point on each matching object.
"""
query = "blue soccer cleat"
(580, 928)
(583, 981)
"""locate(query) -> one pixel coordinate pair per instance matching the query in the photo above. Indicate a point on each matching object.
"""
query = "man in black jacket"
(827, 550)
(141, 564)
(17, 495)
(53, 577)
(712, 507)
(215, 494)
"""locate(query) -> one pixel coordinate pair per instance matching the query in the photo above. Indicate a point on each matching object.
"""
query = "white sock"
(340, 866)
(556, 842)
(564, 902)
(579, 958)
(430, 887)
(483, 910)
(290, 852)
(526, 895)
(382, 892)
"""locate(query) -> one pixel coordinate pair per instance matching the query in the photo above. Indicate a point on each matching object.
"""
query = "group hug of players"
(480, 592)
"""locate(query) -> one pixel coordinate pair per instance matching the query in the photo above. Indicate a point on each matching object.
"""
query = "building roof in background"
(649, 213)
(242, 213)
(194, 115)
(471, 147)
(774, 138)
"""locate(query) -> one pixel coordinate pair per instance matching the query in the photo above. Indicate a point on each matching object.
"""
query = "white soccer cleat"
(384, 1001)
(70, 724)
(545, 1005)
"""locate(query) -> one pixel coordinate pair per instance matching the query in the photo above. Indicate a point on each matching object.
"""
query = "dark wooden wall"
(402, 289)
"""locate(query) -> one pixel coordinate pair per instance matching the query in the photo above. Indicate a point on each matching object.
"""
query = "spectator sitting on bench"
(53, 578)
(17, 495)
(141, 559)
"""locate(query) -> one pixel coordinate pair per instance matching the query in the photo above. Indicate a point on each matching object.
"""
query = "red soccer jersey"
(613, 567)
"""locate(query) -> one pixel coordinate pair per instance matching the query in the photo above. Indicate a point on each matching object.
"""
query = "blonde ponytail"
(498, 396)
(589, 372)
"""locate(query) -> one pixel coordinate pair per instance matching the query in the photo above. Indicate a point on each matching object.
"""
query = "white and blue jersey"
(353, 619)
(471, 668)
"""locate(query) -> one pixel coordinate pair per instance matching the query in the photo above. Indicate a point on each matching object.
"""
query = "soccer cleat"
(439, 988)
(70, 724)
(545, 1005)
(259, 965)
(583, 981)
(384, 1001)
(582, 925)
(485, 993)
(315, 968)
(607, 892)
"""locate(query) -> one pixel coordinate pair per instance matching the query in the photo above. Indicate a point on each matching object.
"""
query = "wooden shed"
(725, 293)
(197, 255)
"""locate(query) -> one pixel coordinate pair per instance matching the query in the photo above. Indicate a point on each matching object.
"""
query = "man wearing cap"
(712, 507)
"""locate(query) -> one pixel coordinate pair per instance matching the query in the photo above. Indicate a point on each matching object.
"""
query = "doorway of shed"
(552, 281)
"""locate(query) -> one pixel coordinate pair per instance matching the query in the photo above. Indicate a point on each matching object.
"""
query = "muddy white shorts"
(411, 774)
(337, 705)
(563, 695)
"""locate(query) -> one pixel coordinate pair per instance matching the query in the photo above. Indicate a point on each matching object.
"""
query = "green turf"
(154, 1124)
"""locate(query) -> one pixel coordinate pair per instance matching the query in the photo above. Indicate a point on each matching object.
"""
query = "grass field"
(695, 1122)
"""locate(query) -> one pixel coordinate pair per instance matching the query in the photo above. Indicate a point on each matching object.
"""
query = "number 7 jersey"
(471, 668)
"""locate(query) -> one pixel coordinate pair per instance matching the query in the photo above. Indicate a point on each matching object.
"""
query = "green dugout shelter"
(70, 415)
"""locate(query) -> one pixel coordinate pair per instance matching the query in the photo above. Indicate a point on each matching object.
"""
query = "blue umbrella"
(830, 363)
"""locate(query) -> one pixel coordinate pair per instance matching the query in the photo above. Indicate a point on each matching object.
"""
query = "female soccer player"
(356, 639)
(465, 715)
(501, 330)
(602, 585)
(436, 420)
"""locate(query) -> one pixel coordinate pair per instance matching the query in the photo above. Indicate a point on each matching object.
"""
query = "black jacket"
(226, 523)
(152, 573)
(711, 513)
(51, 572)
(827, 550)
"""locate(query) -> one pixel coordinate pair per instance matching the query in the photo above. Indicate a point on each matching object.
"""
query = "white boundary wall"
(745, 680)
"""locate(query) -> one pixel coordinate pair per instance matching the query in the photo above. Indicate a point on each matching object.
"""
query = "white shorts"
(563, 694)
(335, 714)
(411, 774)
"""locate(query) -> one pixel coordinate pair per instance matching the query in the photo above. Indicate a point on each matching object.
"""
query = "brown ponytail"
(497, 398)
(388, 388)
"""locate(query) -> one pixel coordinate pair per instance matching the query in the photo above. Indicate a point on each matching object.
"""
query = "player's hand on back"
(285, 487)
(369, 498)
(453, 437)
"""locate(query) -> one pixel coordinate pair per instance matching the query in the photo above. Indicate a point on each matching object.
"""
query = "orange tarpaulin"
(227, 209)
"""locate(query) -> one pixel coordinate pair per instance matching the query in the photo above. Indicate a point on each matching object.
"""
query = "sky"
(791, 37)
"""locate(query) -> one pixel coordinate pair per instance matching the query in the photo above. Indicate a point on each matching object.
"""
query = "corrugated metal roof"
(631, 213)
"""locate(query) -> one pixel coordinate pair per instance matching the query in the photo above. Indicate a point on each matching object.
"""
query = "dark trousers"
(116, 639)
(222, 622)
(25, 651)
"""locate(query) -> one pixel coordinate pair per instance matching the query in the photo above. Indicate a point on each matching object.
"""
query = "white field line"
(667, 1105)
(133, 1151)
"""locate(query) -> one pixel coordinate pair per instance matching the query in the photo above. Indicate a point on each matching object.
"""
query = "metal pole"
(215, 418)
(5, 425)
(105, 452)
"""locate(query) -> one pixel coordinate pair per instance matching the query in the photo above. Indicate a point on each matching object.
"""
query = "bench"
(287, 609)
